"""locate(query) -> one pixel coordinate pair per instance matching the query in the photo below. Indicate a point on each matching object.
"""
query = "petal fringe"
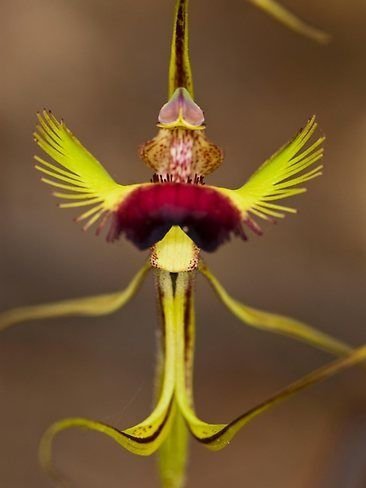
(279, 177)
(88, 183)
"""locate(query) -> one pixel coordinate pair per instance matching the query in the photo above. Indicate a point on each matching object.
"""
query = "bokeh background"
(102, 66)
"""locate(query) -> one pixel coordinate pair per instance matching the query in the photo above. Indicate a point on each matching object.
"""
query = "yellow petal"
(75, 165)
(279, 176)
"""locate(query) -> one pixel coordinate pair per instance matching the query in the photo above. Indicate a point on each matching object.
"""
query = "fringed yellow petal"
(75, 166)
(290, 20)
(180, 74)
(175, 253)
(89, 306)
(218, 436)
(277, 176)
(276, 323)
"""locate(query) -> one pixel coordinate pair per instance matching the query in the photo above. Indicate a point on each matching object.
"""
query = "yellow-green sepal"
(276, 323)
(92, 306)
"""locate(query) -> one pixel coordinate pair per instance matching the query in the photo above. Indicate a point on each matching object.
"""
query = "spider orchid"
(175, 217)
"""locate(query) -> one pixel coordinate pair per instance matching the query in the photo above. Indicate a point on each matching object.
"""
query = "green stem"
(180, 73)
(173, 454)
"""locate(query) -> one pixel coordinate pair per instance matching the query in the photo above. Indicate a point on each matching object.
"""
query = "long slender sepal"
(218, 436)
(180, 73)
(173, 454)
(146, 437)
(88, 306)
(290, 20)
(276, 323)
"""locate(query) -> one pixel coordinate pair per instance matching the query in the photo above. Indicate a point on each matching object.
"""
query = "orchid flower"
(175, 217)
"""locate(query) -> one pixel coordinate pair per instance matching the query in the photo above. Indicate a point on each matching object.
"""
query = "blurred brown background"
(102, 66)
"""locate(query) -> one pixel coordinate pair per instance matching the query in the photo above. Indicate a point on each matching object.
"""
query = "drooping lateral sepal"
(275, 323)
(218, 436)
(93, 306)
(146, 437)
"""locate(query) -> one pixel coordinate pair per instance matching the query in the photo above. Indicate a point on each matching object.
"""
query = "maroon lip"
(148, 213)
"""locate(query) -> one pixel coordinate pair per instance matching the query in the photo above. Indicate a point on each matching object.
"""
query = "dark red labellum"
(147, 214)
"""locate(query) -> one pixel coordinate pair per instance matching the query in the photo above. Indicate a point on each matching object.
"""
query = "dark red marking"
(147, 214)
